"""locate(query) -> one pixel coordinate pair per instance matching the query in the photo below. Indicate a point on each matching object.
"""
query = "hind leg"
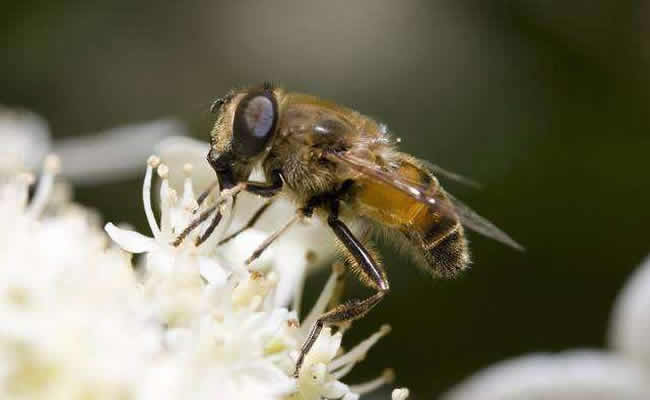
(372, 275)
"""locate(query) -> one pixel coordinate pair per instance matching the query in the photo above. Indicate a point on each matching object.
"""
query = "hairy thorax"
(312, 130)
(305, 172)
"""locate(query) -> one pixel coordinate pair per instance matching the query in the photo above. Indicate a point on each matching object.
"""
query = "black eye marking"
(254, 121)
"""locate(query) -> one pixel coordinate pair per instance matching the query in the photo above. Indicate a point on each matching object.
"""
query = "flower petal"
(25, 140)
(131, 241)
(113, 154)
(291, 267)
(177, 151)
(568, 376)
(212, 271)
(630, 326)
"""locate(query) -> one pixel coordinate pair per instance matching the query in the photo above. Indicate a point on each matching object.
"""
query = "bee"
(344, 167)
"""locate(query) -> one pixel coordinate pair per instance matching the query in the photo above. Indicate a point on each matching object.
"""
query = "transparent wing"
(419, 192)
(478, 224)
(432, 195)
(439, 171)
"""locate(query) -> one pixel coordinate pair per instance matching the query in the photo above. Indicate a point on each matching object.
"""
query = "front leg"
(259, 188)
(372, 275)
(249, 224)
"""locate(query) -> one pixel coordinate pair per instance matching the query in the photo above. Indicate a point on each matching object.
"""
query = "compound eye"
(254, 123)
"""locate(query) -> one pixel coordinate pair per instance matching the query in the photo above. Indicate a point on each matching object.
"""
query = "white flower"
(225, 332)
(65, 301)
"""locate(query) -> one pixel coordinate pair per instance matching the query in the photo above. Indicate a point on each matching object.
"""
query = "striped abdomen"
(433, 232)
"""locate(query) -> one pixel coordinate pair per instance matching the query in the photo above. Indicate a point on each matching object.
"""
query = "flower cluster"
(223, 331)
(66, 300)
(86, 319)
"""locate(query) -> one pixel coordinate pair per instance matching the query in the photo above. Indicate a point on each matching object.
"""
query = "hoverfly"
(339, 165)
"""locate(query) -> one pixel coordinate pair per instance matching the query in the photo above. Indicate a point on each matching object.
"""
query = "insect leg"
(372, 273)
(213, 225)
(349, 311)
(260, 211)
(339, 268)
(195, 223)
(267, 242)
(206, 193)
(226, 193)
(259, 188)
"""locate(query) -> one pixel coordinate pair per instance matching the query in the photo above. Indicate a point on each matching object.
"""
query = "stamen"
(187, 169)
(343, 371)
(188, 189)
(386, 377)
(51, 167)
(152, 163)
(163, 171)
(358, 352)
(167, 199)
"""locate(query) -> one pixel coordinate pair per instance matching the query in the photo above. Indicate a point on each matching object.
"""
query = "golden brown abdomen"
(433, 232)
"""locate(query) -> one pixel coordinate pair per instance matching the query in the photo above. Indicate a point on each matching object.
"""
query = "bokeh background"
(545, 103)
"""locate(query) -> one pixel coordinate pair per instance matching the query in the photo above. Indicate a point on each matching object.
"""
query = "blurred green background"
(545, 103)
